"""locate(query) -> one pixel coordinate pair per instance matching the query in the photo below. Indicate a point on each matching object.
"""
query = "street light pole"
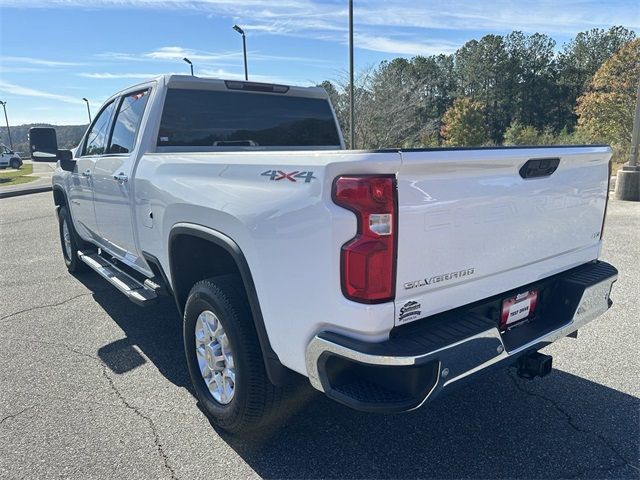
(352, 121)
(190, 64)
(88, 109)
(635, 136)
(244, 49)
(4, 107)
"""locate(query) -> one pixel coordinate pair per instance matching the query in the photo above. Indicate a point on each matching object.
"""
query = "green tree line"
(514, 89)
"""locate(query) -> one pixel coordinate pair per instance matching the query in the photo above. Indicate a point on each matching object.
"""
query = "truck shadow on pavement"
(156, 330)
(499, 426)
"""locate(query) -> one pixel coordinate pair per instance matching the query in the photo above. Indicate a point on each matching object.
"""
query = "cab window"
(98, 135)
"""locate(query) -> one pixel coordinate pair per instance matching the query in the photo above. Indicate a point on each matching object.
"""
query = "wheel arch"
(184, 241)
(59, 196)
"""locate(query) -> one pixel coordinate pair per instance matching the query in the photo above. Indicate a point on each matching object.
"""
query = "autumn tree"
(579, 60)
(464, 124)
(605, 110)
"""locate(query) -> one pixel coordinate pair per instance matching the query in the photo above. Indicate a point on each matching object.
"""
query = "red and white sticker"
(518, 308)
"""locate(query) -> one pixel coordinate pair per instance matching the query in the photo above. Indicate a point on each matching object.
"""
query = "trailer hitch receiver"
(534, 365)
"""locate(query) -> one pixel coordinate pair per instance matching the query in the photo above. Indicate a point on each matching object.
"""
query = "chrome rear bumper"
(332, 360)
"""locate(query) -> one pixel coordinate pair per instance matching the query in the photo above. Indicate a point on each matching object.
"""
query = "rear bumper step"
(138, 293)
(414, 365)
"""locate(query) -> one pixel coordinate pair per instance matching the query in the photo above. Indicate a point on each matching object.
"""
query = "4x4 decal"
(276, 175)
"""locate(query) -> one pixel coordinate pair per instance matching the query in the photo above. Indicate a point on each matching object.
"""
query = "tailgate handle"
(539, 167)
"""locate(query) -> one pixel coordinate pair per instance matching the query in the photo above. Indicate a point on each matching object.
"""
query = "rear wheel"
(15, 163)
(224, 357)
(69, 242)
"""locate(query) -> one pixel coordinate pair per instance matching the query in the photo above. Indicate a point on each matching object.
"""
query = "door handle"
(86, 173)
(121, 178)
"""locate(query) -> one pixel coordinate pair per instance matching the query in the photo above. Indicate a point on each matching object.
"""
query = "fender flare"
(58, 188)
(278, 373)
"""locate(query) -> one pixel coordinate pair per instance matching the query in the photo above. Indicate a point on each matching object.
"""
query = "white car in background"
(9, 158)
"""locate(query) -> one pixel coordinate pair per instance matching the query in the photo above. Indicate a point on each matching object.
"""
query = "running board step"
(135, 291)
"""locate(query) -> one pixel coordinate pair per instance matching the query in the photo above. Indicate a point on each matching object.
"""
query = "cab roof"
(209, 83)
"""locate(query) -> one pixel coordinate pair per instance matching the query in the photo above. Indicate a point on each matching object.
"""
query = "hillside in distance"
(68, 136)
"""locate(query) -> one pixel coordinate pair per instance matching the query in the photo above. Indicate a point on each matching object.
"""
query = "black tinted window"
(99, 133)
(220, 118)
(128, 122)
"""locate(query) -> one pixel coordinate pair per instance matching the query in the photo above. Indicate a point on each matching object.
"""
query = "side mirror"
(66, 160)
(43, 144)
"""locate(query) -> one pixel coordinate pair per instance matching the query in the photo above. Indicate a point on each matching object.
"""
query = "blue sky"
(53, 53)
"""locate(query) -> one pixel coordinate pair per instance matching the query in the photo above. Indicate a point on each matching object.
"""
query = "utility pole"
(88, 108)
(352, 121)
(628, 177)
(4, 107)
(244, 49)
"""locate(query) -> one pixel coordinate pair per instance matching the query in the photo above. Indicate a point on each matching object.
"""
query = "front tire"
(224, 356)
(69, 242)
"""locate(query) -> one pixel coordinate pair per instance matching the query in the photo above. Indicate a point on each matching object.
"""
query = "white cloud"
(296, 16)
(111, 76)
(37, 61)
(13, 89)
(7, 69)
(545, 16)
(178, 53)
(200, 72)
(393, 45)
(227, 75)
(173, 54)
(378, 23)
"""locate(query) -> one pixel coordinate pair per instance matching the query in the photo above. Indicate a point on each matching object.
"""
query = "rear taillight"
(368, 260)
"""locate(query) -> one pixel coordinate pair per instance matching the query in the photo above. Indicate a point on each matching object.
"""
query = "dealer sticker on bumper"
(518, 308)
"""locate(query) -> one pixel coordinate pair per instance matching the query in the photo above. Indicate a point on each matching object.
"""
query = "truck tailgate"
(470, 226)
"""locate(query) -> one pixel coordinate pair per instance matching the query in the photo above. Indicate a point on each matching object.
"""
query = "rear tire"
(221, 302)
(69, 242)
(15, 163)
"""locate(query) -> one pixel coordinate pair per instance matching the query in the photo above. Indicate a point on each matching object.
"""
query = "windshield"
(206, 118)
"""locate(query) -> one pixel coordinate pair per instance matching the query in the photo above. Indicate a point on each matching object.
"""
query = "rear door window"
(127, 122)
(206, 118)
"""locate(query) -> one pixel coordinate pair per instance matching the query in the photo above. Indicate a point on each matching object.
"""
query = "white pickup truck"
(385, 277)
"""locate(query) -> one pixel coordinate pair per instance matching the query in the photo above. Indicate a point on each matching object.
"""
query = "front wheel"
(224, 357)
(69, 242)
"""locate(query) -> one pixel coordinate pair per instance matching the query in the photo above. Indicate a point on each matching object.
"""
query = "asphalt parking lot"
(92, 386)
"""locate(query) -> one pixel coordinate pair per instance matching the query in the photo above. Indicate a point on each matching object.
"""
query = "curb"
(25, 191)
